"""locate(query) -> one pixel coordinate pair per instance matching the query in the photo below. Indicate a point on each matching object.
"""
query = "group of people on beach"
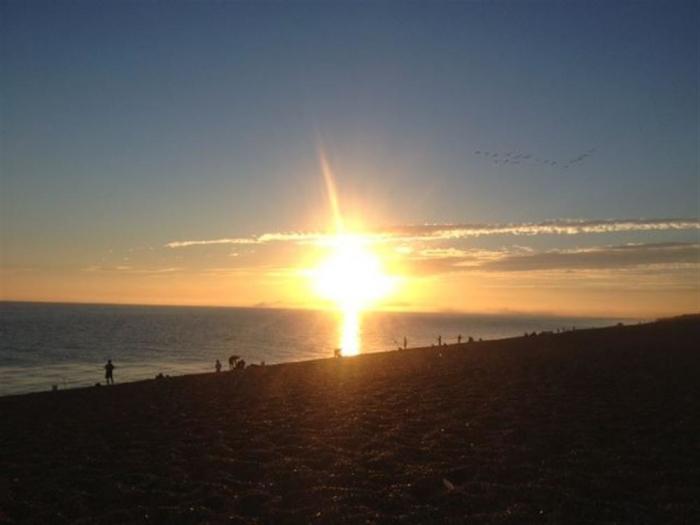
(234, 363)
(440, 341)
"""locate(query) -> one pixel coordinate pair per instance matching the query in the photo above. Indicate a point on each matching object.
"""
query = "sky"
(500, 156)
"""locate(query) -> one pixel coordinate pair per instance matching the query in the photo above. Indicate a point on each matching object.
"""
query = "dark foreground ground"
(598, 426)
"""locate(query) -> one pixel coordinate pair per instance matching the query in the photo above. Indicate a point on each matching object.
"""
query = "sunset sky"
(497, 156)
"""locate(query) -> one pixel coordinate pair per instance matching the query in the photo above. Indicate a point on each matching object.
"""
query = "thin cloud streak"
(433, 232)
(555, 227)
(606, 258)
(185, 244)
(653, 255)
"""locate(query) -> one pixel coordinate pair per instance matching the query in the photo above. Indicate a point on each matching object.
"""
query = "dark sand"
(596, 426)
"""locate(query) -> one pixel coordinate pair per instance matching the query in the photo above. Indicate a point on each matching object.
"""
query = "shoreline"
(139, 341)
(589, 426)
(100, 379)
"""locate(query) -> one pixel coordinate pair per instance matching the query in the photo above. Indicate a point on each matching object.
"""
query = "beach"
(586, 426)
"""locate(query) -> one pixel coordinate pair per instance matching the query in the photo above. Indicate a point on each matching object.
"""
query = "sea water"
(67, 345)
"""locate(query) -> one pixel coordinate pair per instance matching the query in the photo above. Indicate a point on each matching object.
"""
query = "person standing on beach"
(109, 369)
(405, 342)
(218, 365)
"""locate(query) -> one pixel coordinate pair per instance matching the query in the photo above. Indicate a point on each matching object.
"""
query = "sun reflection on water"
(350, 337)
(352, 276)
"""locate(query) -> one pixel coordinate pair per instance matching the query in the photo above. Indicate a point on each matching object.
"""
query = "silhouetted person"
(471, 339)
(232, 361)
(405, 343)
(109, 369)
(240, 365)
(459, 338)
(439, 340)
(218, 365)
(337, 352)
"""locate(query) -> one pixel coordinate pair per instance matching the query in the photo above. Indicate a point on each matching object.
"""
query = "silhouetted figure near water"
(232, 361)
(218, 366)
(240, 365)
(109, 369)
(459, 339)
(439, 340)
(405, 343)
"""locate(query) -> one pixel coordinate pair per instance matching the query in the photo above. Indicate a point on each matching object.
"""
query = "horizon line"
(455, 312)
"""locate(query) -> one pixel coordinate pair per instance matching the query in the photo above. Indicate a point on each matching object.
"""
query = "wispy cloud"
(432, 232)
(185, 244)
(131, 269)
(610, 257)
(657, 255)
(555, 227)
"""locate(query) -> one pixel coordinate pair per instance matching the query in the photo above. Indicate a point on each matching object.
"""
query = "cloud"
(656, 256)
(605, 258)
(265, 238)
(131, 269)
(555, 227)
(433, 232)
(185, 244)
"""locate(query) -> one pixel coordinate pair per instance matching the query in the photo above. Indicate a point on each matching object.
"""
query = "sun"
(353, 278)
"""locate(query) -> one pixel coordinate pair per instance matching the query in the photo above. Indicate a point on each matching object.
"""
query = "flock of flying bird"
(513, 158)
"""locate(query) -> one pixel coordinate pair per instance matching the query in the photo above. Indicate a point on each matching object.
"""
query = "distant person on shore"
(459, 339)
(439, 340)
(109, 372)
(240, 365)
(232, 361)
(218, 366)
(405, 342)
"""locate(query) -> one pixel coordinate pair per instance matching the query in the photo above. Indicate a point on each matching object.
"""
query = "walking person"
(109, 369)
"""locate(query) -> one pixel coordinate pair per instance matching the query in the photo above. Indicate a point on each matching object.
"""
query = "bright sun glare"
(353, 278)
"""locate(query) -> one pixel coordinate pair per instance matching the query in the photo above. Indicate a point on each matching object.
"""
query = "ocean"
(67, 345)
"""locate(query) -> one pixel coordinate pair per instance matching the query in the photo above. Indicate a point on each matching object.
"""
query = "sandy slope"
(584, 427)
